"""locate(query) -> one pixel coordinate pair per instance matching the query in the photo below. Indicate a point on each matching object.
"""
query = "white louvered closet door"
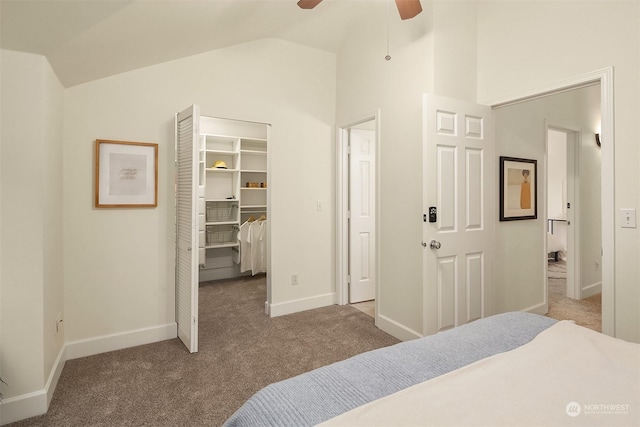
(187, 227)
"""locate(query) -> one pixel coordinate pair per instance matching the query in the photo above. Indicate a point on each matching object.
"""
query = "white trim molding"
(590, 290)
(111, 342)
(396, 329)
(541, 309)
(35, 403)
(295, 306)
(24, 406)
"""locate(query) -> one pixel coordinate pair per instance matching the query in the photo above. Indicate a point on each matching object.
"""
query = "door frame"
(342, 204)
(605, 78)
(574, 142)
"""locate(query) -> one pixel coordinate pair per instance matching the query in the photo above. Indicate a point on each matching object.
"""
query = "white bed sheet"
(567, 376)
(554, 244)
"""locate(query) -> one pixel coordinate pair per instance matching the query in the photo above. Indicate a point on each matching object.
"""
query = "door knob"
(434, 244)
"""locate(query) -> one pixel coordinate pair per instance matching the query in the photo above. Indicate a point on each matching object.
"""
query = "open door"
(459, 205)
(187, 251)
(362, 230)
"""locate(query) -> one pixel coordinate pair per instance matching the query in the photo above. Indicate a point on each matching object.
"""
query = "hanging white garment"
(245, 246)
(262, 252)
(258, 246)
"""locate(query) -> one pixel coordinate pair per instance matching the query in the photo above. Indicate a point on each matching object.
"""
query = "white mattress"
(567, 376)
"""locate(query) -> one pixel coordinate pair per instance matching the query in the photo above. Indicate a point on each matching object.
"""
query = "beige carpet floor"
(586, 312)
(241, 350)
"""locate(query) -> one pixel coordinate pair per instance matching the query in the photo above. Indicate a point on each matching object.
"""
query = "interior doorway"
(574, 224)
(357, 212)
(604, 256)
(562, 211)
(222, 204)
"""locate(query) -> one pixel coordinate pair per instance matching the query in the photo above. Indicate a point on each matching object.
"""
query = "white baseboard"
(35, 403)
(55, 373)
(541, 309)
(105, 343)
(591, 290)
(295, 306)
(24, 406)
(396, 329)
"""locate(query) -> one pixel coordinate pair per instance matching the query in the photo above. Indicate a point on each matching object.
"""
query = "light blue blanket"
(326, 392)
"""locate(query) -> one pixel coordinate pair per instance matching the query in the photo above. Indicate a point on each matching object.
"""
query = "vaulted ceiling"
(86, 40)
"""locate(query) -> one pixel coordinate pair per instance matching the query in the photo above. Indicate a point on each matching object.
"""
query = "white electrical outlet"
(58, 322)
(294, 280)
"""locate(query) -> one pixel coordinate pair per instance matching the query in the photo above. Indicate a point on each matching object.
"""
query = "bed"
(512, 368)
(555, 247)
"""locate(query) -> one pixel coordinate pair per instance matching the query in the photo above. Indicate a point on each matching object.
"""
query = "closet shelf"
(223, 245)
(256, 152)
(253, 188)
(227, 152)
(253, 171)
(221, 223)
(223, 200)
(221, 170)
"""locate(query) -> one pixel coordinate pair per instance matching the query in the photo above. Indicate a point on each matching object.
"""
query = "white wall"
(433, 52)
(455, 49)
(517, 42)
(590, 197)
(31, 263)
(366, 83)
(119, 263)
(52, 203)
(557, 174)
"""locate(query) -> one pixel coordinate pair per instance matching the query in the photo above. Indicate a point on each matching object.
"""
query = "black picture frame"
(518, 189)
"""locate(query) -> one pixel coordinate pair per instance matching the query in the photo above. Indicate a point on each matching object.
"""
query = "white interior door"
(187, 186)
(573, 206)
(459, 179)
(362, 235)
(562, 200)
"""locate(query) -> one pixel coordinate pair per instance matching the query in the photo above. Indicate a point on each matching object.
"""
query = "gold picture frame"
(126, 174)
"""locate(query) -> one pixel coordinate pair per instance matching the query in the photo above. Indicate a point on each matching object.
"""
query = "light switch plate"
(628, 218)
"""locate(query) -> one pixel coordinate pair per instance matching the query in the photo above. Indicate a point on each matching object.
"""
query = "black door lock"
(433, 217)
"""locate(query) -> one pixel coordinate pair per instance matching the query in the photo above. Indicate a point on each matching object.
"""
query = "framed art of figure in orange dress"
(518, 189)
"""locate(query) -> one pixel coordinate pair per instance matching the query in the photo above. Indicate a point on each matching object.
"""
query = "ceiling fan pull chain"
(388, 57)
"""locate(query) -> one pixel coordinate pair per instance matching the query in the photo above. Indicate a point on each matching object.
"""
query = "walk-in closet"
(222, 203)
